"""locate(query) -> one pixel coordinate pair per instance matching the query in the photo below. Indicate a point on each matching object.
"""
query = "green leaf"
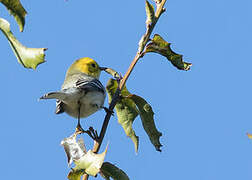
(17, 10)
(125, 109)
(109, 170)
(150, 13)
(75, 175)
(28, 57)
(146, 115)
(160, 46)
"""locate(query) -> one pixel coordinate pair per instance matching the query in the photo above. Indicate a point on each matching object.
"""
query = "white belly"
(90, 103)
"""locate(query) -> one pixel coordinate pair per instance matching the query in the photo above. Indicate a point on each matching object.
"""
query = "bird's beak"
(103, 68)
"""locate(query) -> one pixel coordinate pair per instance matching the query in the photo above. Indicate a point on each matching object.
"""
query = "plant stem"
(116, 96)
(146, 36)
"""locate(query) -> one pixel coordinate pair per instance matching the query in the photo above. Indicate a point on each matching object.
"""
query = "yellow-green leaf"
(150, 13)
(112, 72)
(75, 175)
(28, 57)
(109, 170)
(90, 162)
(147, 118)
(125, 109)
(160, 46)
(17, 10)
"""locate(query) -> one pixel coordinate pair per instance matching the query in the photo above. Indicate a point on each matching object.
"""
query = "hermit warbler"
(82, 94)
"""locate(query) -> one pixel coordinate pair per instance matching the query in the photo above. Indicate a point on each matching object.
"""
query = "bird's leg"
(79, 129)
(91, 132)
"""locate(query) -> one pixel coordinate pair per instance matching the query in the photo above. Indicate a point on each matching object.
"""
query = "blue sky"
(204, 114)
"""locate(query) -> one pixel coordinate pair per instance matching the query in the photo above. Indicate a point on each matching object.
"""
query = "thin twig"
(116, 97)
(146, 38)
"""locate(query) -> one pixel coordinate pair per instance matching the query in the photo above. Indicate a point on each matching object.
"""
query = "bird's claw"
(91, 132)
(79, 129)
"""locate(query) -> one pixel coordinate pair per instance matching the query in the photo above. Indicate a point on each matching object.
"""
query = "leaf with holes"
(17, 10)
(74, 149)
(125, 109)
(28, 57)
(160, 46)
(147, 118)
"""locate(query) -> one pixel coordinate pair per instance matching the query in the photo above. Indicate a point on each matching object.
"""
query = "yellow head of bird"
(85, 65)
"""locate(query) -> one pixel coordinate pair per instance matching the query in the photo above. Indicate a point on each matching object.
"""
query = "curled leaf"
(85, 162)
(125, 109)
(160, 46)
(146, 115)
(112, 72)
(74, 150)
(150, 13)
(28, 57)
(17, 10)
(109, 170)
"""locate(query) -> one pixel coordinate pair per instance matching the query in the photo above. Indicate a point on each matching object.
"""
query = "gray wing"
(86, 85)
(93, 85)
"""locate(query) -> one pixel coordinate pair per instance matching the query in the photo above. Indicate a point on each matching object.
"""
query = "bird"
(81, 94)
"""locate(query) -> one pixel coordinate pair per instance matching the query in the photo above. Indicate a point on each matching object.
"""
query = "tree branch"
(159, 4)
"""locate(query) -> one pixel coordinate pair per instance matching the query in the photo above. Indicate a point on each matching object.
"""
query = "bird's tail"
(54, 95)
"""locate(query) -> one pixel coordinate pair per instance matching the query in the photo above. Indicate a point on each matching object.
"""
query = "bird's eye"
(93, 65)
